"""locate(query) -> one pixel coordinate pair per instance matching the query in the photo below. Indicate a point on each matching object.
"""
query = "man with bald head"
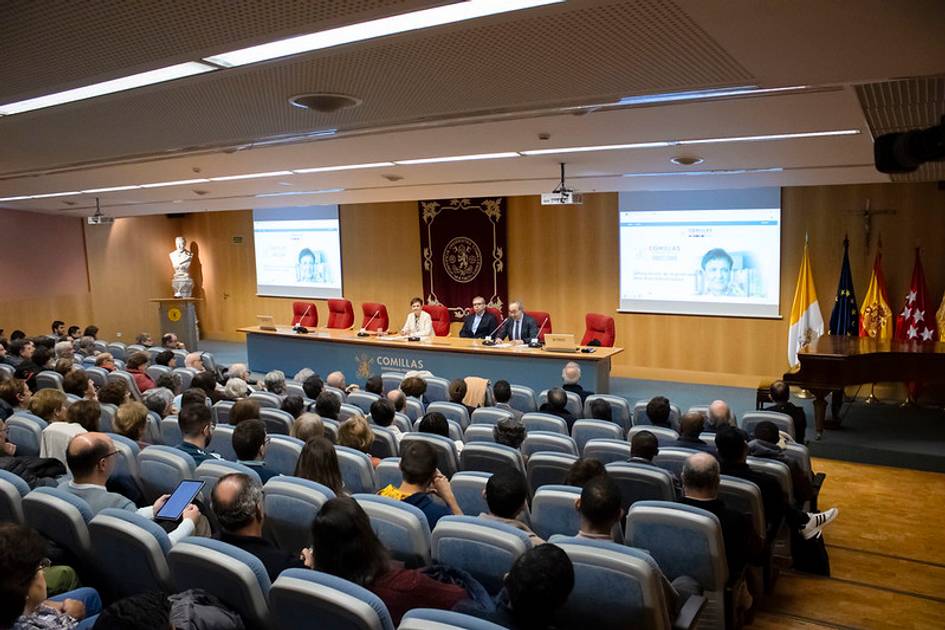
(238, 505)
(690, 426)
(571, 375)
(720, 415)
(518, 328)
(337, 379)
(398, 398)
(92, 458)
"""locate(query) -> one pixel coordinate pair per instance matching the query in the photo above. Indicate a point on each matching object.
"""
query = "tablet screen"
(182, 496)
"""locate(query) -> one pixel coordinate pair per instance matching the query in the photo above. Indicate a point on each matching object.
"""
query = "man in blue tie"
(519, 328)
(480, 322)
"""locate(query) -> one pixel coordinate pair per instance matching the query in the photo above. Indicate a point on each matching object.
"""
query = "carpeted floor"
(883, 434)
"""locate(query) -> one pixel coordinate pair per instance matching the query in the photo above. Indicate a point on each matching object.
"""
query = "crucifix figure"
(868, 213)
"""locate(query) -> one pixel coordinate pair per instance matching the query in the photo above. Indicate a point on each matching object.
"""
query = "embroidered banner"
(462, 249)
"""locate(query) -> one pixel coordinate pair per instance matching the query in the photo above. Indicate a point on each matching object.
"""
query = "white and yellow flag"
(807, 322)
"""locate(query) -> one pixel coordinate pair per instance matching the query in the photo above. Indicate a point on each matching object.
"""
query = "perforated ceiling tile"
(896, 106)
(518, 62)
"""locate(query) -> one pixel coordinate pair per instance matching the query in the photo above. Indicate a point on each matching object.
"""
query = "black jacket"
(486, 325)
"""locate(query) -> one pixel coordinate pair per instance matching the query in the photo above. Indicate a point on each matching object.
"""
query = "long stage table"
(326, 350)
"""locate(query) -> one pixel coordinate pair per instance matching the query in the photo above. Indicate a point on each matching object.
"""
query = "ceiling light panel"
(230, 178)
(179, 182)
(459, 158)
(342, 167)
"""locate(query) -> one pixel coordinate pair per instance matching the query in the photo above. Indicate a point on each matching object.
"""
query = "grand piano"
(833, 362)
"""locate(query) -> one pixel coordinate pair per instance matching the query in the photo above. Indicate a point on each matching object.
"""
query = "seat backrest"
(776, 469)
(356, 470)
(750, 420)
(537, 421)
(375, 316)
(455, 431)
(338, 393)
(283, 453)
(574, 404)
(362, 400)
(170, 431)
(437, 389)
(544, 469)
(295, 389)
(291, 504)
(49, 379)
(542, 319)
(161, 468)
(26, 431)
(491, 458)
(300, 596)
(9, 369)
(130, 552)
(97, 375)
(385, 443)
(413, 408)
(186, 374)
(435, 619)
(619, 408)
(641, 482)
(266, 400)
(236, 577)
(469, 489)
(388, 473)
(607, 450)
(489, 415)
(304, 314)
(12, 490)
(441, 318)
(106, 418)
(673, 458)
(548, 441)
(277, 421)
(483, 548)
(554, 512)
(349, 411)
(479, 433)
(128, 450)
(599, 328)
(799, 454)
(156, 371)
(331, 429)
(664, 436)
(640, 417)
(221, 411)
(743, 496)
(446, 456)
(209, 471)
(61, 517)
(585, 430)
(223, 441)
(523, 399)
(128, 379)
(340, 313)
(453, 411)
(403, 528)
(392, 380)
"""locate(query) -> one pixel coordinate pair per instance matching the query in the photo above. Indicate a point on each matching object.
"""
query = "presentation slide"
(701, 252)
(298, 252)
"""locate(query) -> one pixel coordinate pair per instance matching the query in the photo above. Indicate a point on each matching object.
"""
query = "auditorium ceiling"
(804, 87)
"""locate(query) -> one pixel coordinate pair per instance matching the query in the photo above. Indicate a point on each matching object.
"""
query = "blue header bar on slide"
(695, 223)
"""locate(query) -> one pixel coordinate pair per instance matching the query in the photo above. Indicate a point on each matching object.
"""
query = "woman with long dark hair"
(319, 463)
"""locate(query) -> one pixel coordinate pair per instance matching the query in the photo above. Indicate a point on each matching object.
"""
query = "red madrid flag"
(916, 321)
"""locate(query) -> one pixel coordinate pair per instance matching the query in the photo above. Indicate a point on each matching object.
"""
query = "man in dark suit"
(519, 327)
(480, 322)
(571, 374)
(781, 394)
(557, 406)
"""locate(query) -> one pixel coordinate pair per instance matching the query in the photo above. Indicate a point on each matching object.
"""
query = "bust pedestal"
(179, 316)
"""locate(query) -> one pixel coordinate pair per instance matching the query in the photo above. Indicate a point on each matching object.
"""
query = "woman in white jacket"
(419, 323)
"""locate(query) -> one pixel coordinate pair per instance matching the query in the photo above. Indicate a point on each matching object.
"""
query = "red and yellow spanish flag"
(876, 319)
(940, 318)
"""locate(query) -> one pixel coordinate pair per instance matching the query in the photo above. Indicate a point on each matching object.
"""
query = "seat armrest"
(689, 614)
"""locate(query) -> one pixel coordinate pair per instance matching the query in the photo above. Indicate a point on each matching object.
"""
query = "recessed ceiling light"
(230, 178)
(324, 102)
(342, 167)
(179, 182)
(459, 158)
(381, 27)
(686, 160)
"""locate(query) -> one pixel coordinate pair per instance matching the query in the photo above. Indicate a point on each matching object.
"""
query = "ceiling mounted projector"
(562, 195)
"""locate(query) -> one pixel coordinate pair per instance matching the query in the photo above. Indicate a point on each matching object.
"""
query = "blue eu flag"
(845, 318)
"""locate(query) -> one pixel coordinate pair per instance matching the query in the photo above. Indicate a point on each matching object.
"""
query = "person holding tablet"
(419, 323)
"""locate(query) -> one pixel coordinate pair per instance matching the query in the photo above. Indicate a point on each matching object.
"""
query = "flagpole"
(805, 394)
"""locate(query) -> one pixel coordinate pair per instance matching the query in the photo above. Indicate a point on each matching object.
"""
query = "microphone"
(488, 340)
(299, 328)
(363, 332)
(536, 342)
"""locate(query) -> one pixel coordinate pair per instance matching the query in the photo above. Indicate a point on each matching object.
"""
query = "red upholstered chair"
(441, 318)
(340, 314)
(539, 317)
(310, 319)
(599, 327)
(495, 313)
(380, 322)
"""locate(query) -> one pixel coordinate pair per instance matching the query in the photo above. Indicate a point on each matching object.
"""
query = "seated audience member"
(658, 411)
(374, 385)
(131, 419)
(600, 410)
(382, 413)
(571, 374)
(240, 371)
(196, 427)
(415, 387)
(208, 384)
(144, 339)
(506, 493)
(690, 427)
(294, 405)
(160, 400)
(64, 350)
(42, 357)
(600, 508)
(86, 346)
(16, 394)
(535, 589)
(64, 366)
(307, 426)
(192, 396)
(328, 406)
(719, 415)
(246, 409)
(73, 332)
(312, 386)
(345, 545)
(35, 471)
(318, 462)
(85, 413)
(91, 331)
(169, 341)
(510, 432)
(237, 501)
(92, 459)
(274, 382)
(700, 478)
(356, 433)
(105, 361)
(50, 405)
(235, 389)
(457, 392)
(250, 443)
(733, 453)
(337, 379)
(643, 447)
(399, 400)
(114, 393)
(303, 374)
(194, 361)
(135, 365)
(166, 358)
(170, 381)
(78, 383)
(23, 587)
(781, 396)
(766, 445)
(58, 329)
(557, 406)
(420, 478)
(19, 351)
(502, 392)
(436, 423)
(583, 470)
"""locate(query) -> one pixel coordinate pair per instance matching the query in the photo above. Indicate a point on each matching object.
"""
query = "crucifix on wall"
(867, 213)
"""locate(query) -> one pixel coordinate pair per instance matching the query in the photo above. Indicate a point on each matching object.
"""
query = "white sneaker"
(817, 522)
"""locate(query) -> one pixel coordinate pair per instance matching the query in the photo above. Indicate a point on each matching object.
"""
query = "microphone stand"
(299, 328)
(363, 332)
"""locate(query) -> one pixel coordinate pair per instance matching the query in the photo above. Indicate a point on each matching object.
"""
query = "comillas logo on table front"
(366, 361)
